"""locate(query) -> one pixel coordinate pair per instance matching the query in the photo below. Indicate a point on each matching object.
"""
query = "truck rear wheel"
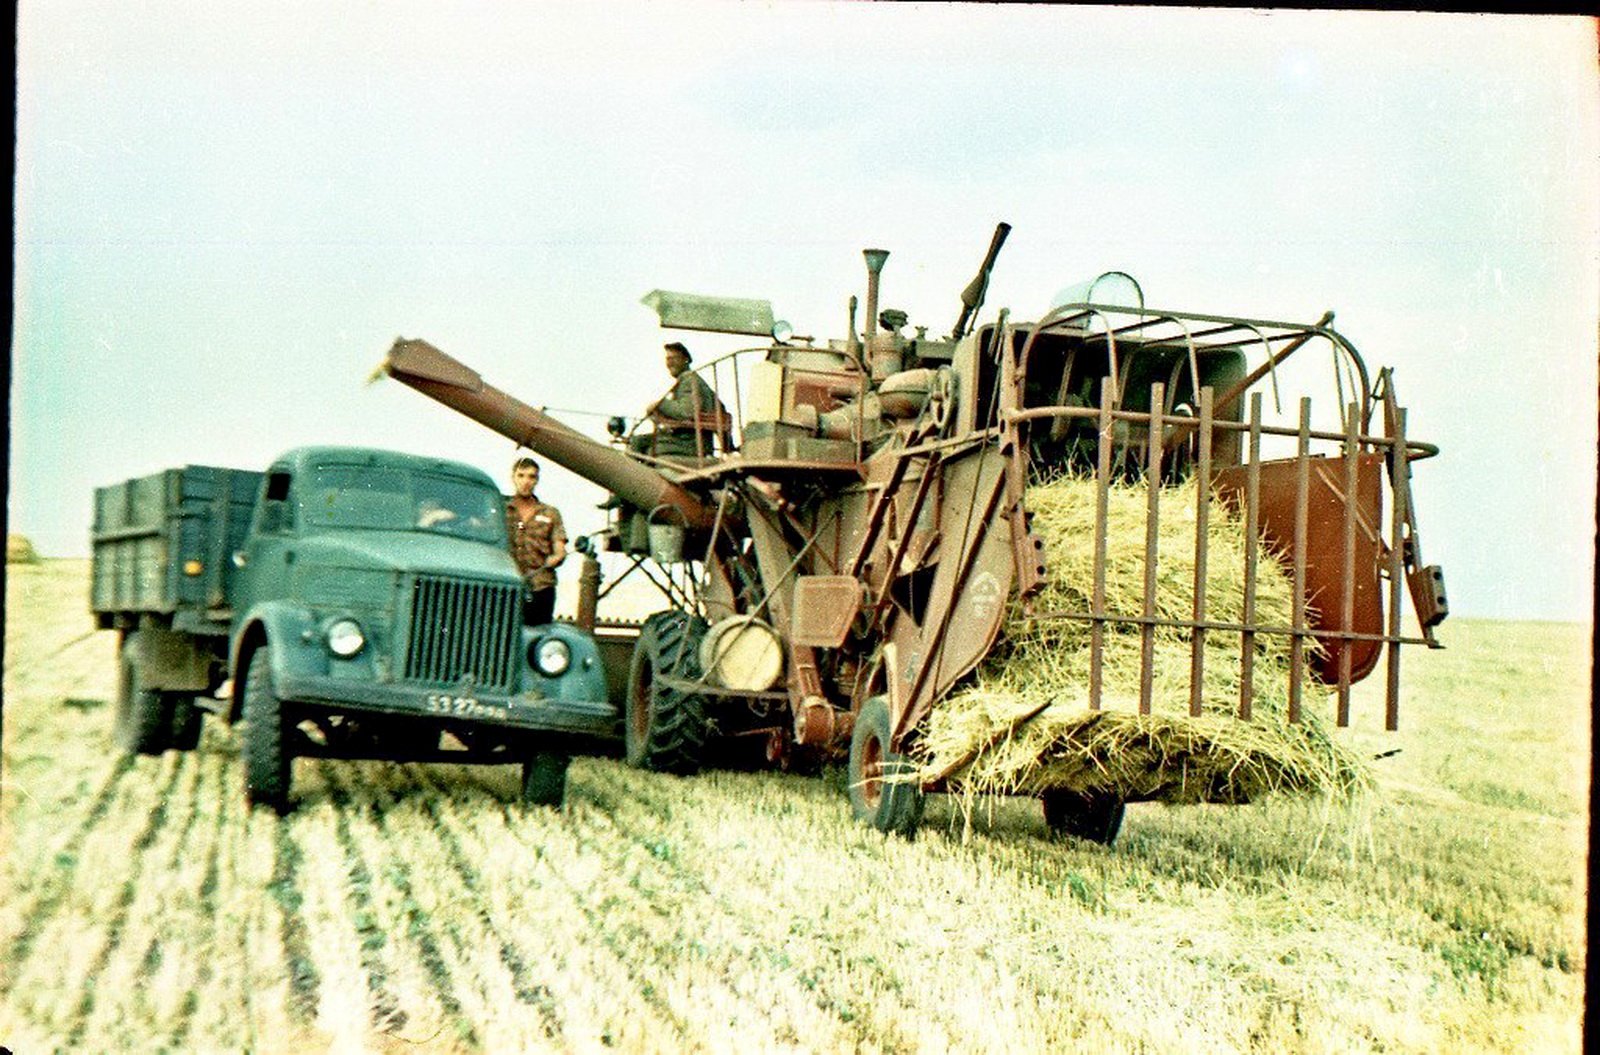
(186, 718)
(1095, 816)
(143, 721)
(267, 754)
(544, 778)
(877, 798)
(665, 729)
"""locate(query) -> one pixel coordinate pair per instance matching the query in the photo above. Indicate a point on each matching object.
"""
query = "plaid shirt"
(533, 531)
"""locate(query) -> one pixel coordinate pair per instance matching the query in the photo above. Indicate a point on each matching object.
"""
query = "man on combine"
(677, 432)
(538, 542)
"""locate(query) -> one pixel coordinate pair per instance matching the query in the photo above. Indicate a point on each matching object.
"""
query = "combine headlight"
(551, 656)
(345, 638)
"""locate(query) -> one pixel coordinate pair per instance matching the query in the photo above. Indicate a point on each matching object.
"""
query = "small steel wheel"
(544, 778)
(877, 798)
(1095, 816)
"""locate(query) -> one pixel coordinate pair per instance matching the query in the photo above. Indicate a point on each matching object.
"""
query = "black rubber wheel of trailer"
(877, 797)
(143, 722)
(186, 718)
(267, 752)
(544, 778)
(1095, 816)
(666, 729)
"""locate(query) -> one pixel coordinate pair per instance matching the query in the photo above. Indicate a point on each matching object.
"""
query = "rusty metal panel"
(1324, 548)
(824, 607)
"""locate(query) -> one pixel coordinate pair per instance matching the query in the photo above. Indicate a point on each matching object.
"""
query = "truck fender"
(584, 679)
(272, 622)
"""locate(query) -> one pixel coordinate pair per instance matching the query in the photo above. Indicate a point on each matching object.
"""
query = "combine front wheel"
(665, 728)
(881, 794)
(1095, 816)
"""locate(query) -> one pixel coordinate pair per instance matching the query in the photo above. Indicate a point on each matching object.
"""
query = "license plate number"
(461, 706)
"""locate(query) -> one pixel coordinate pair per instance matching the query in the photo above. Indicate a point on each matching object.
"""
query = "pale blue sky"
(226, 212)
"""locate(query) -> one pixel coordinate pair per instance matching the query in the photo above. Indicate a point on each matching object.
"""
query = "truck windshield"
(351, 496)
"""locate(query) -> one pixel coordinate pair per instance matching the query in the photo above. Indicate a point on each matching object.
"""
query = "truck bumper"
(527, 711)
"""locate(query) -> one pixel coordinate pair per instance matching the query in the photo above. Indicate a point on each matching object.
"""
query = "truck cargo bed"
(162, 544)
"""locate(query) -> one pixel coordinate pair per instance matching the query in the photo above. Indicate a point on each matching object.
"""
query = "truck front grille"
(464, 629)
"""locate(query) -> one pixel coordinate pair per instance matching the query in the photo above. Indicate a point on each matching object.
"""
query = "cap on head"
(679, 348)
(525, 463)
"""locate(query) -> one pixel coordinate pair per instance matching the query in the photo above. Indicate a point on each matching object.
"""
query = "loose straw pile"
(1166, 755)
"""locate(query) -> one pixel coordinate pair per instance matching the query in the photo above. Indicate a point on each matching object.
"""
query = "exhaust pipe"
(875, 259)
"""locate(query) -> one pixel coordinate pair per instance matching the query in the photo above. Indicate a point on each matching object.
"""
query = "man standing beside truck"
(538, 542)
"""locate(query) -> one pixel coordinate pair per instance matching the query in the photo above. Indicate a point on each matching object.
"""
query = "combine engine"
(849, 539)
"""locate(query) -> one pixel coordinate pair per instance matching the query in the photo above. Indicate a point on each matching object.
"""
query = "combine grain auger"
(854, 548)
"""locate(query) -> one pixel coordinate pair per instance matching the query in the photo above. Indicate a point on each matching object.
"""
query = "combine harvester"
(942, 555)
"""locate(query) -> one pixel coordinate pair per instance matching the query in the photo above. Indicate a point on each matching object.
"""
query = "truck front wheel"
(266, 747)
(144, 718)
(884, 793)
(544, 778)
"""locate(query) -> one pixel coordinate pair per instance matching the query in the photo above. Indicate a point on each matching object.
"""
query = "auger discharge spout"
(419, 365)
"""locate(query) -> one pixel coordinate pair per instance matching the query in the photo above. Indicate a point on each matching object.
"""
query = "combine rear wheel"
(144, 717)
(877, 798)
(665, 729)
(1087, 815)
(267, 751)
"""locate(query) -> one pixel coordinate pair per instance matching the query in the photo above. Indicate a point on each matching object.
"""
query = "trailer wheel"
(267, 752)
(876, 798)
(186, 720)
(1095, 816)
(665, 729)
(544, 778)
(143, 721)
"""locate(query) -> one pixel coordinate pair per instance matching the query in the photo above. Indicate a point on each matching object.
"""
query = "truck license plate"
(462, 706)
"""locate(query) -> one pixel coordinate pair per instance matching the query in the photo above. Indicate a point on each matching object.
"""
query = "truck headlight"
(345, 638)
(551, 656)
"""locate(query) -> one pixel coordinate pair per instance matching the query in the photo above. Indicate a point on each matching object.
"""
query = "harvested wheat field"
(418, 909)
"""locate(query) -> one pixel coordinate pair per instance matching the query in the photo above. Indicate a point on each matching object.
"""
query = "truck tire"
(186, 718)
(143, 721)
(888, 805)
(1095, 816)
(544, 778)
(267, 753)
(665, 729)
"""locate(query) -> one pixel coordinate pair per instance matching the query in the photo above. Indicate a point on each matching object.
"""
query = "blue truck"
(346, 602)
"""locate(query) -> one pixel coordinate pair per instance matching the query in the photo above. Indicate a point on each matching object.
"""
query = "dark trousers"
(539, 606)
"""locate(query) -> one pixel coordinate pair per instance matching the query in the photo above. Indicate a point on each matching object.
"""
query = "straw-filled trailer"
(1109, 555)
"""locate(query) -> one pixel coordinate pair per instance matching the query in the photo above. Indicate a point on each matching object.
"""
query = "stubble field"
(419, 908)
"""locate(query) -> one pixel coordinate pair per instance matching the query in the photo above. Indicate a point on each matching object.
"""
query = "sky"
(226, 213)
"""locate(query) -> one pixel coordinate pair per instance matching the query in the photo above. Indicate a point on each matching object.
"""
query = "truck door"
(268, 553)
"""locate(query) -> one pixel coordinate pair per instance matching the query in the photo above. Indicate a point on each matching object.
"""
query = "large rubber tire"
(267, 752)
(544, 778)
(144, 720)
(186, 721)
(665, 729)
(1096, 817)
(888, 805)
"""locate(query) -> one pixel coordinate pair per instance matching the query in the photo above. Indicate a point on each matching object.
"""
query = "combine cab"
(852, 535)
